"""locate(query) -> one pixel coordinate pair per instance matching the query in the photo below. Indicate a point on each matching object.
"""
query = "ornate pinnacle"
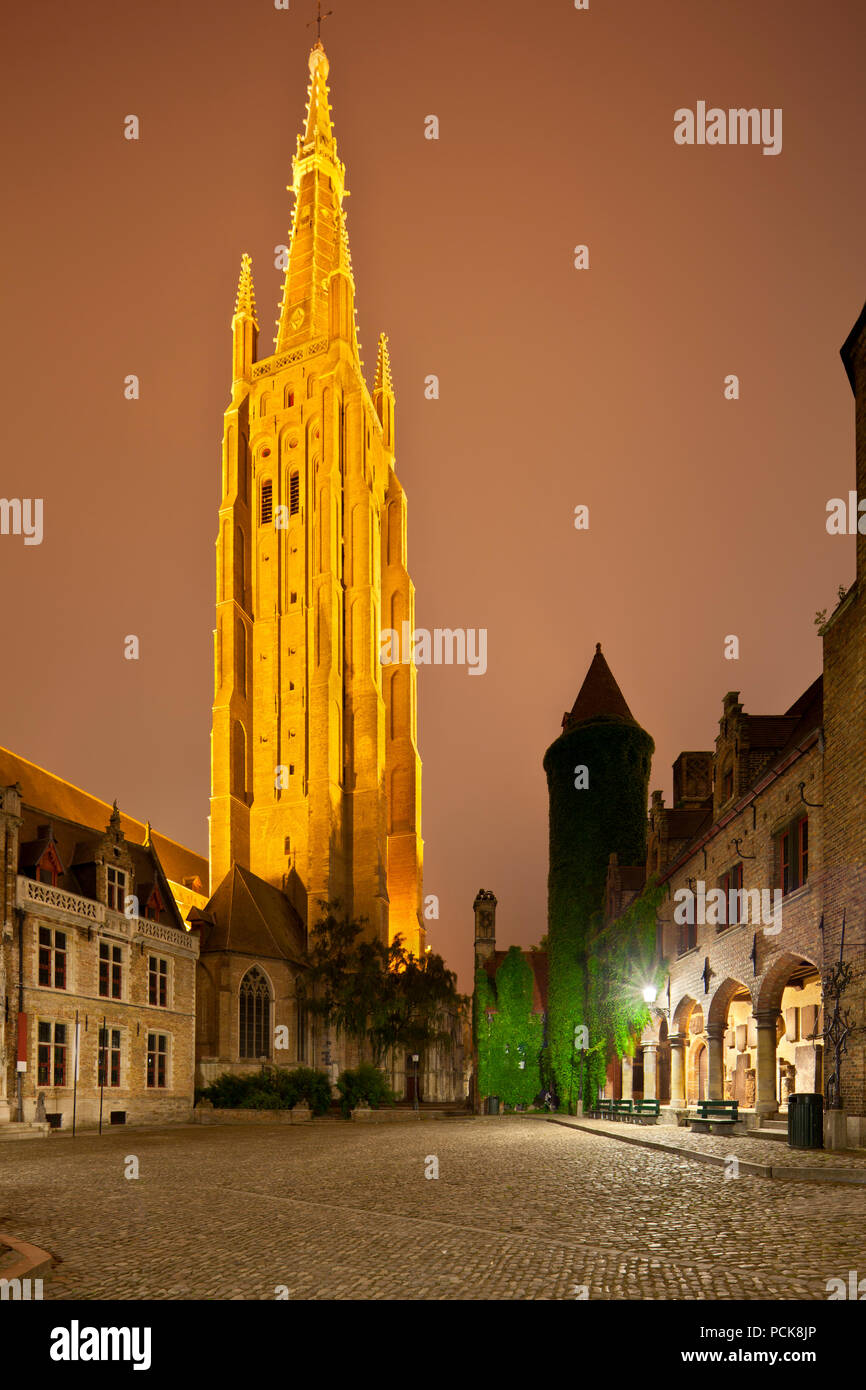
(245, 303)
(384, 380)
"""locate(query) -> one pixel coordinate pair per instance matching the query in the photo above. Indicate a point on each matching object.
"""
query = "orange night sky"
(559, 387)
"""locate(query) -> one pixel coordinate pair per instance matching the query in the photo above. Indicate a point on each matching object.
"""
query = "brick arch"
(721, 1000)
(776, 978)
(682, 1013)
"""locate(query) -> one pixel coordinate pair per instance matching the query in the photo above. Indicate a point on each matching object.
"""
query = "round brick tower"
(598, 779)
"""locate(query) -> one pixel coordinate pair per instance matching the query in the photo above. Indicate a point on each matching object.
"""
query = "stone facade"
(316, 778)
(743, 1015)
(91, 940)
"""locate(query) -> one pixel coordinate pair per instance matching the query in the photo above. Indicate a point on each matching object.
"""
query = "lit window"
(109, 1052)
(157, 981)
(157, 1053)
(52, 958)
(794, 855)
(51, 1055)
(116, 889)
(731, 885)
(110, 971)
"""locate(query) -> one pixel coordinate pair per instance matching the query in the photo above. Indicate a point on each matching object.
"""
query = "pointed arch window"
(239, 761)
(241, 657)
(254, 1015)
(240, 565)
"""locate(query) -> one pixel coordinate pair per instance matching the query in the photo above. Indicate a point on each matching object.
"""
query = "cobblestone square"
(521, 1209)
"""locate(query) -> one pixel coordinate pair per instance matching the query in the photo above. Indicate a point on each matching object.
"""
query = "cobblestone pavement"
(522, 1209)
(764, 1151)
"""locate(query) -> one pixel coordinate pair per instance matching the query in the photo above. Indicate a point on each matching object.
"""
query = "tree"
(383, 995)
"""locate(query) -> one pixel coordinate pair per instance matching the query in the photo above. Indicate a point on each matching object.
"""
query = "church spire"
(319, 244)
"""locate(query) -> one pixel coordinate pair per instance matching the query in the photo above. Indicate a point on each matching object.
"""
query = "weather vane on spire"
(318, 20)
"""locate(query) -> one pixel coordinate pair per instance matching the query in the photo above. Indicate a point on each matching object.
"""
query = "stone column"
(626, 1078)
(650, 1071)
(716, 1061)
(765, 1099)
(678, 1043)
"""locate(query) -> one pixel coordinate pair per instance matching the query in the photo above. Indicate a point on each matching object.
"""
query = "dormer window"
(154, 906)
(49, 868)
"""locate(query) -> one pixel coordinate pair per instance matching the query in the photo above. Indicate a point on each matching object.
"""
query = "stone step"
(779, 1135)
(14, 1130)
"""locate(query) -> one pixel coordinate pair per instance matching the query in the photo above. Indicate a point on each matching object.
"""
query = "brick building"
(776, 810)
(762, 854)
(96, 963)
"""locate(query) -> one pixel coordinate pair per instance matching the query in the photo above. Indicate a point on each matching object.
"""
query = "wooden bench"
(603, 1108)
(646, 1111)
(620, 1109)
(714, 1112)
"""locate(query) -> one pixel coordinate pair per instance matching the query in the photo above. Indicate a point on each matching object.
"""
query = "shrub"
(365, 1083)
(271, 1089)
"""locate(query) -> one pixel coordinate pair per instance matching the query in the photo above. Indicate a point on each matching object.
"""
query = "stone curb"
(756, 1170)
(33, 1264)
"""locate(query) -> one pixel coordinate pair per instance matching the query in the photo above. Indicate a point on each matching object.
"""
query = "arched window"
(294, 491)
(254, 1015)
(240, 565)
(239, 761)
(241, 657)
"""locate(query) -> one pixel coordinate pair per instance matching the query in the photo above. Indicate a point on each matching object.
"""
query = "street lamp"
(649, 994)
(415, 1058)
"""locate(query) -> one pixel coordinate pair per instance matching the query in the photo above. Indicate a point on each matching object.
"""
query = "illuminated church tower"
(315, 774)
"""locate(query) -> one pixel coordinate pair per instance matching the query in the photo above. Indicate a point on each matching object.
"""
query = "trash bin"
(805, 1120)
(493, 1105)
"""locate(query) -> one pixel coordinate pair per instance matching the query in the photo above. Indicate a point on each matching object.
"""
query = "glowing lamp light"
(649, 994)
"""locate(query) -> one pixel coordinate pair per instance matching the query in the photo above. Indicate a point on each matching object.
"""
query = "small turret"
(485, 926)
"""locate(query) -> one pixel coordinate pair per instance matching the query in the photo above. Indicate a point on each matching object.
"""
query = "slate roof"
(598, 697)
(55, 798)
(249, 917)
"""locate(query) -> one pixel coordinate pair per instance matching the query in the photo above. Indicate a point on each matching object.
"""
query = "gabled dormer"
(40, 858)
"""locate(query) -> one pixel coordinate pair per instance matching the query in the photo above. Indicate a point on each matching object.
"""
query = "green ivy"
(508, 1033)
(586, 826)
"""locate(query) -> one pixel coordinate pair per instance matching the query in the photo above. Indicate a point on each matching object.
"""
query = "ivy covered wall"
(508, 1040)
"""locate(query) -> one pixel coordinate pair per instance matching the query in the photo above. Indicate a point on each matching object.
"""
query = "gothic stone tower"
(315, 774)
(598, 777)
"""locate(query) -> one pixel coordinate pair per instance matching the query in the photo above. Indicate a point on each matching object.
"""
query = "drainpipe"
(19, 1076)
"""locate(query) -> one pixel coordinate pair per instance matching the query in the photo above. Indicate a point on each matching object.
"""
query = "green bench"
(646, 1111)
(714, 1112)
(620, 1108)
(603, 1108)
